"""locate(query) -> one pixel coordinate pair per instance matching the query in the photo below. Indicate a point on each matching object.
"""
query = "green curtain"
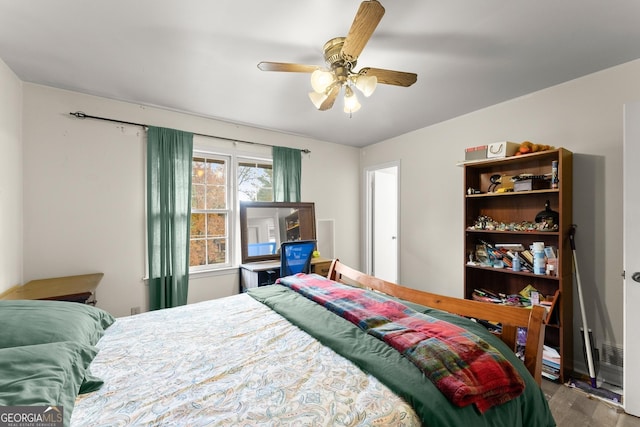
(287, 170)
(169, 162)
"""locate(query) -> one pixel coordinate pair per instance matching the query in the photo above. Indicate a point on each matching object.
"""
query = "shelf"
(520, 208)
(526, 232)
(509, 271)
(513, 193)
(524, 158)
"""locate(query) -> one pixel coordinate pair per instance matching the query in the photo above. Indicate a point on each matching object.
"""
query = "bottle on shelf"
(539, 264)
(515, 266)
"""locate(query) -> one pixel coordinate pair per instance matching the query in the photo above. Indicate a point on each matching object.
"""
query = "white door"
(631, 258)
(382, 224)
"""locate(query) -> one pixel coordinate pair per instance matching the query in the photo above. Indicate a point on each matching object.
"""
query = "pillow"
(44, 374)
(28, 322)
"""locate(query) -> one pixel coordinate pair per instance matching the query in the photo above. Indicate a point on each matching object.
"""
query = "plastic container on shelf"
(515, 264)
(539, 264)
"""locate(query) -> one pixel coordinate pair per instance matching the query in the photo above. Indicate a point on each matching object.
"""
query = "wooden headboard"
(511, 318)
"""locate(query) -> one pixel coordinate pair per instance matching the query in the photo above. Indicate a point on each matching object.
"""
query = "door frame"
(368, 217)
(630, 265)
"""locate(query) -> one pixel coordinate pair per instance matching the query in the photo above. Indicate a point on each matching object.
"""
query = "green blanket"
(399, 374)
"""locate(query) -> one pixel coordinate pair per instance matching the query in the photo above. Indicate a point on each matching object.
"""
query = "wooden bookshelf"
(512, 215)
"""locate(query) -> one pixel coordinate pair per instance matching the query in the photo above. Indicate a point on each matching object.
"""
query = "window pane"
(197, 225)
(197, 252)
(216, 180)
(255, 181)
(216, 251)
(197, 196)
(216, 225)
(216, 173)
(216, 197)
(198, 171)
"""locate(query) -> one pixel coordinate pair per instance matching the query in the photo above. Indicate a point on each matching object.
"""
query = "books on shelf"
(550, 363)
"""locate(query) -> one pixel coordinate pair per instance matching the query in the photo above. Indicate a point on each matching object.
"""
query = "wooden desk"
(71, 288)
(254, 274)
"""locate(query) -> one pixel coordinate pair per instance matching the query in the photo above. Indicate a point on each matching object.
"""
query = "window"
(213, 202)
(255, 181)
(209, 212)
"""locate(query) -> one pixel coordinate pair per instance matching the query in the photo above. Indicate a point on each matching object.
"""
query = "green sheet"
(399, 374)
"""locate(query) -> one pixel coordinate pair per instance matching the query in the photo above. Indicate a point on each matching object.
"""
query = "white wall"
(84, 192)
(584, 116)
(10, 179)
(84, 187)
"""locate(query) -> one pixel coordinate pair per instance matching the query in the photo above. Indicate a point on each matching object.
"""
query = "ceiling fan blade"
(390, 77)
(284, 66)
(331, 98)
(364, 24)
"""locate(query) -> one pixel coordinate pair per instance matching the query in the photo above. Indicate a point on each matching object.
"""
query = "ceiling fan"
(341, 55)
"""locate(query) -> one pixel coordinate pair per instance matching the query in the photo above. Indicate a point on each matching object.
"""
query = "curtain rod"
(81, 115)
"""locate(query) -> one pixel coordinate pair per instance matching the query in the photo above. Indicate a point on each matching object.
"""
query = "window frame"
(227, 161)
(233, 158)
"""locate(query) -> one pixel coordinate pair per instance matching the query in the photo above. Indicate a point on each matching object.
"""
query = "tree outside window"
(209, 224)
(255, 182)
(211, 205)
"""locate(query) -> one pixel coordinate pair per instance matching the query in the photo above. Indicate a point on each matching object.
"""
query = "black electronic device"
(548, 216)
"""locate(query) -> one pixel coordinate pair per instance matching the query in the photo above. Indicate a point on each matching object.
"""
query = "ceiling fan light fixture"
(321, 80)
(317, 98)
(366, 84)
(351, 104)
(341, 56)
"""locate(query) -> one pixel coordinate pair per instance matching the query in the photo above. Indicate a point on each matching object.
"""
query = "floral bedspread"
(231, 361)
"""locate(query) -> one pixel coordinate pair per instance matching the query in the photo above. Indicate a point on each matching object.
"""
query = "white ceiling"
(200, 56)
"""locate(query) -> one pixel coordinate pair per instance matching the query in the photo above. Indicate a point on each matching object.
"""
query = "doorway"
(381, 224)
(631, 257)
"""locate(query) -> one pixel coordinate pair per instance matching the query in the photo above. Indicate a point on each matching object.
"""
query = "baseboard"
(608, 373)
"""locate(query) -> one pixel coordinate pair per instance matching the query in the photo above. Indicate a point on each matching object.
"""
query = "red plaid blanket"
(465, 368)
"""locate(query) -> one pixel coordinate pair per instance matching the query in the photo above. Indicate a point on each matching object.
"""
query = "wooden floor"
(574, 408)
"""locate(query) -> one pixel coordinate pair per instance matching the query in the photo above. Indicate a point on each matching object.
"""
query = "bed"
(273, 356)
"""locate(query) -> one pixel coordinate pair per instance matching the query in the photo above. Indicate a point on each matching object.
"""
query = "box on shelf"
(502, 149)
(531, 184)
(475, 153)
